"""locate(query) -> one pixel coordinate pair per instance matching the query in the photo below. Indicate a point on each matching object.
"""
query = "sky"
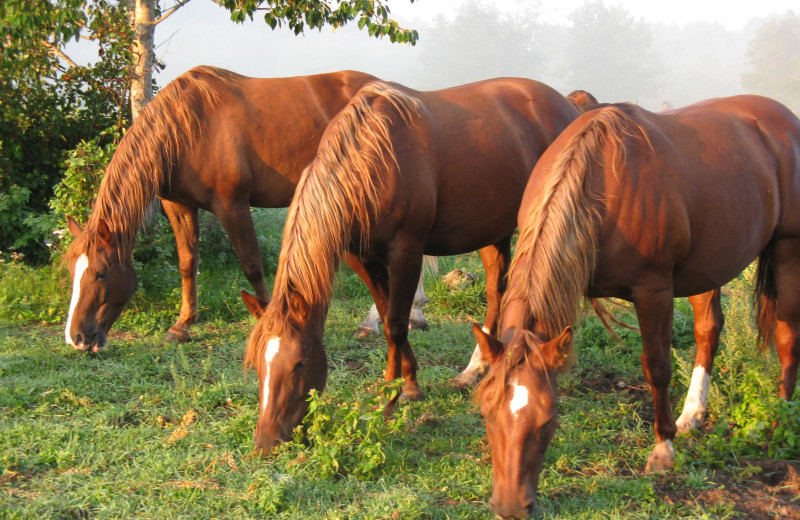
(201, 33)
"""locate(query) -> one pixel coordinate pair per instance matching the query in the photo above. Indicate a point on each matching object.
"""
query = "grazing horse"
(211, 139)
(399, 173)
(708, 323)
(646, 207)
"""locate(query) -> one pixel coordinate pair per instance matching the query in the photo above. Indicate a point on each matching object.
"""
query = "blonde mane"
(338, 192)
(557, 246)
(144, 159)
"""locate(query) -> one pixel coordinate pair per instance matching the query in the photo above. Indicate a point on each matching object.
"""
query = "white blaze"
(696, 400)
(519, 400)
(272, 349)
(80, 267)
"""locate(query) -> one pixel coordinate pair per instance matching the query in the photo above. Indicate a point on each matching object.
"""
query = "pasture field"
(146, 429)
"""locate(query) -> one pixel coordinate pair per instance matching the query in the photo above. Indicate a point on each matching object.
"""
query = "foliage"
(50, 105)
(372, 15)
(85, 165)
(773, 59)
(348, 435)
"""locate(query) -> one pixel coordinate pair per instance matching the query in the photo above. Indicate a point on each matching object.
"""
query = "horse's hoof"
(418, 324)
(175, 335)
(364, 331)
(412, 394)
(661, 458)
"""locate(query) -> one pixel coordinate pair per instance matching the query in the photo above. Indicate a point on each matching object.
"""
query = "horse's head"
(518, 403)
(102, 283)
(286, 350)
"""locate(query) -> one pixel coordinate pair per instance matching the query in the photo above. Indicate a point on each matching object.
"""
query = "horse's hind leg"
(416, 321)
(238, 224)
(495, 264)
(186, 228)
(708, 322)
(787, 326)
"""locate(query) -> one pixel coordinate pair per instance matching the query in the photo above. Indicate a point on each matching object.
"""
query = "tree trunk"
(142, 14)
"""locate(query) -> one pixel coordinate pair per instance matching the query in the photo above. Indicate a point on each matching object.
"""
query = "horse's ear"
(74, 227)
(300, 310)
(254, 304)
(491, 347)
(558, 352)
(104, 232)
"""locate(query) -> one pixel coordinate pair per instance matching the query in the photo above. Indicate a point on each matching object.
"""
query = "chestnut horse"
(647, 207)
(708, 323)
(399, 173)
(211, 139)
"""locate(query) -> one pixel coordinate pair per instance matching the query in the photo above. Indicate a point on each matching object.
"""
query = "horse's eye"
(100, 276)
(299, 366)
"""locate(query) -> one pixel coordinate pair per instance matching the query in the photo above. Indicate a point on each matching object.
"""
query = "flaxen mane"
(142, 164)
(338, 192)
(557, 246)
(556, 250)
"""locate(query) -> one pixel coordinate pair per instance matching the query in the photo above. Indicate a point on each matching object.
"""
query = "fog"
(643, 52)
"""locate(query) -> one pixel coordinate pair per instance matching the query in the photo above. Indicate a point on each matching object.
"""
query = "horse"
(399, 173)
(646, 207)
(708, 322)
(212, 140)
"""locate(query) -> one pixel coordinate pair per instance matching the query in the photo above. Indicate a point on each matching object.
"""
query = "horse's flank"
(339, 191)
(143, 161)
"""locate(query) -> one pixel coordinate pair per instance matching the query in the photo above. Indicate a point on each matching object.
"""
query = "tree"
(773, 59)
(297, 15)
(50, 105)
(479, 43)
(610, 54)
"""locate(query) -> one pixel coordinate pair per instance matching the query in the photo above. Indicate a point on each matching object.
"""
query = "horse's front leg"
(238, 224)
(186, 228)
(708, 322)
(654, 309)
(400, 360)
(495, 260)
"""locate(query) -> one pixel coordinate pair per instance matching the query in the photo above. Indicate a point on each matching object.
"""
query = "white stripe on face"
(81, 264)
(272, 349)
(519, 400)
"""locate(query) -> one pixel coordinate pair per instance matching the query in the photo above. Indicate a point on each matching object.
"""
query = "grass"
(154, 430)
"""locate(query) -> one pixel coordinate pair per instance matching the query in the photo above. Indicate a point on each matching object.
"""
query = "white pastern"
(696, 400)
(519, 400)
(273, 347)
(81, 264)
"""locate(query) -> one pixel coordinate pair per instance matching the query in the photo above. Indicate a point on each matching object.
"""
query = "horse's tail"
(765, 298)
(556, 250)
(340, 190)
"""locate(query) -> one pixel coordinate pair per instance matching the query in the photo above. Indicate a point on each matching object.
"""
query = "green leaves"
(349, 437)
(298, 15)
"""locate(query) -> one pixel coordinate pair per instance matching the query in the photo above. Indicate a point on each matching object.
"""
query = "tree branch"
(171, 11)
(59, 53)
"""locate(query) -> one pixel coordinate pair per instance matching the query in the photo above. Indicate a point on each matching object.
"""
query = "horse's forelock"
(276, 321)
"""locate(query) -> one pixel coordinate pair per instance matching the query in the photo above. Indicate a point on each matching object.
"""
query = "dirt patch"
(761, 490)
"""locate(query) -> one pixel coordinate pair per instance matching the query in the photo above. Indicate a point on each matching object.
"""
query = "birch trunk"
(143, 23)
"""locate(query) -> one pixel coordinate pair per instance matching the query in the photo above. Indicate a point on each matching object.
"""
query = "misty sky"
(201, 33)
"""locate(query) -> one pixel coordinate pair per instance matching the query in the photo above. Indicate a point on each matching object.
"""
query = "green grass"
(153, 430)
